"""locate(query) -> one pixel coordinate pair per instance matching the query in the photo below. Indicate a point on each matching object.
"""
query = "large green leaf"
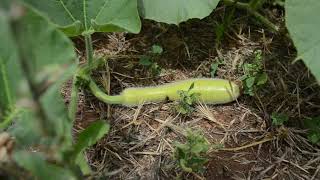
(75, 16)
(302, 20)
(48, 54)
(40, 169)
(176, 11)
(9, 67)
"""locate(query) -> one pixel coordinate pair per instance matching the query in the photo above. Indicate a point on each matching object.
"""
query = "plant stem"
(261, 18)
(73, 106)
(8, 119)
(89, 48)
(87, 36)
(96, 91)
(6, 89)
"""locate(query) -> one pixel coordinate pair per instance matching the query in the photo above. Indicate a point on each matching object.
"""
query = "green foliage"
(190, 155)
(175, 11)
(149, 59)
(313, 124)
(254, 76)
(86, 138)
(40, 168)
(214, 67)
(8, 60)
(90, 136)
(256, 4)
(303, 25)
(222, 28)
(76, 17)
(187, 100)
(156, 49)
(44, 60)
(278, 119)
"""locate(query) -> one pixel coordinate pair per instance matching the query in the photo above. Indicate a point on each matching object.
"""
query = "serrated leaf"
(176, 11)
(75, 17)
(36, 164)
(83, 164)
(91, 135)
(303, 25)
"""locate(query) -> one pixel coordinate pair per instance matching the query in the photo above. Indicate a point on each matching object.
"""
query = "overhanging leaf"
(74, 16)
(176, 11)
(39, 168)
(10, 71)
(303, 25)
(47, 56)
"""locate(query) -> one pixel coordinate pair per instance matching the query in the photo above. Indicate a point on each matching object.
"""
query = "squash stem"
(261, 18)
(89, 49)
(97, 92)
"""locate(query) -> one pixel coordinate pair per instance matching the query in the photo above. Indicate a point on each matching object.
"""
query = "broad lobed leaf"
(302, 20)
(75, 16)
(176, 11)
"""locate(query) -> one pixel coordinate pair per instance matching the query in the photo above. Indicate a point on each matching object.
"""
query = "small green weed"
(278, 119)
(254, 76)
(313, 124)
(190, 155)
(148, 60)
(187, 100)
(214, 67)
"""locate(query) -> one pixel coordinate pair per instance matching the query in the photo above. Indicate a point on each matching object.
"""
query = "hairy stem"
(89, 48)
(73, 99)
(261, 18)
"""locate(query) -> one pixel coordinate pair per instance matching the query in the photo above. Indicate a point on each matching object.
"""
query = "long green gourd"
(211, 91)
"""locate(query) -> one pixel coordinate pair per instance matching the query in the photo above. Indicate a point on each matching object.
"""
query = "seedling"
(278, 119)
(254, 76)
(313, 124)
(149, 60)
(214, 67)
(187, 100)
(191, 155)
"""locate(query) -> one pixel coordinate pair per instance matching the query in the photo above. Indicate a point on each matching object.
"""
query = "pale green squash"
(211, 91)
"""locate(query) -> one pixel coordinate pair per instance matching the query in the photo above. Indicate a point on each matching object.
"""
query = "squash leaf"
(303, 25)
(75, 17)
(176, 11)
